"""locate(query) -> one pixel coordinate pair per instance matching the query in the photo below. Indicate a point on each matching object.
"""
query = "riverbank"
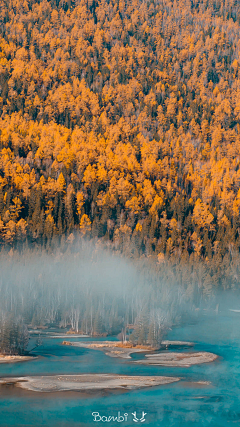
(124, 351)
(168, 343)
(111, 348)
(178, 359)
(15, 359)
(52, 334)
(86, 382)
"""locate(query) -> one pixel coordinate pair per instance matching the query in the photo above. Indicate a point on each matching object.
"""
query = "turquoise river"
(181, 404)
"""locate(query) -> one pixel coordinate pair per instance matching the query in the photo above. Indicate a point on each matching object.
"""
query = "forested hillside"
(121, 120)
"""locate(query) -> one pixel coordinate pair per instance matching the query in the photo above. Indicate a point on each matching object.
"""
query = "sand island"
(124, 351)
(86, 382)
(15, 358)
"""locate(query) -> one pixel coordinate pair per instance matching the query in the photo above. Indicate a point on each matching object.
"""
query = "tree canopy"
(121, 120)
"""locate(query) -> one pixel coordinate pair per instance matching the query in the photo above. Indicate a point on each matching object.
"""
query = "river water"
(182, 404)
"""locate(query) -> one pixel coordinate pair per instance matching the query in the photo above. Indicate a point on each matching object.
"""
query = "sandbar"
(110, 348)
(85, 382)
(178, 359)
(117, 349)
(177, 343)
(15, 359)
(45, 334)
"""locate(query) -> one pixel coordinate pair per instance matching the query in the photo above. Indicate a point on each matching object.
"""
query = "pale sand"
(86, 382)
(110, 348)
(48, 335)
(12, 359)
(45, 334)
(178, 359)
(177, 343)
(113, 349)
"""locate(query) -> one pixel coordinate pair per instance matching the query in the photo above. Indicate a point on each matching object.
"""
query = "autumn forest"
(120, 121)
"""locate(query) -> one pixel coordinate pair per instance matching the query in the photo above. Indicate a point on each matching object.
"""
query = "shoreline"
(111, 348)
(153, 356)
(86, 382)
(15, 359)
(47, 334)
(178, 359)
(167, 343)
